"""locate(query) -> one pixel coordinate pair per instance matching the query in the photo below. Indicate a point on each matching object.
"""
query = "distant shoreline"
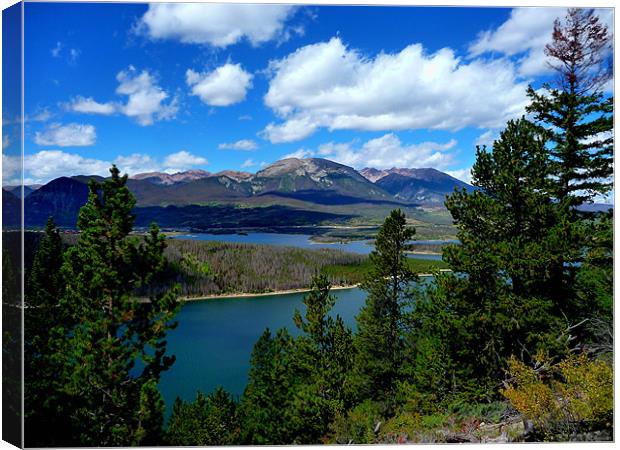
(282, 292)
(261, 294)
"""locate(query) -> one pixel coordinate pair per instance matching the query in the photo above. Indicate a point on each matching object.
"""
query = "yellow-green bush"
(572, 396)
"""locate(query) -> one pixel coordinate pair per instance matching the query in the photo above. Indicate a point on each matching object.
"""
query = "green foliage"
(486, 412)
(41, 319)
(266, 403)
(359, 426)
(298, 386)
(572, 396)
(594, 289)
(379, 342)
(357, 273)
(108, 348)
(209, 420)
(496, 304)
(324, 356)
(12, 385)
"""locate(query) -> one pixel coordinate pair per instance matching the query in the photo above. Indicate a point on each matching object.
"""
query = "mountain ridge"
(314, 185)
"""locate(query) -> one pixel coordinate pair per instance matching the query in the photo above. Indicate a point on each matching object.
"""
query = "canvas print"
(279, 224)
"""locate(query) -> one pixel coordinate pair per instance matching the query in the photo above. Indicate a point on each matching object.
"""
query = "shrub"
(575, 395)
(359, 426)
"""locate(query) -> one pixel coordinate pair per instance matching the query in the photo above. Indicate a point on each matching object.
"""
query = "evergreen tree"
(379, 339)
(12, 386)
(574, 111)
(324, 358)
(114, 344)
(498, 302)
(577, 117)
(265, 408)
(594, 289)
(209, 420)
(42, 321)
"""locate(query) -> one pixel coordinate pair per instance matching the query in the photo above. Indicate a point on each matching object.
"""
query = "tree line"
(523, 320)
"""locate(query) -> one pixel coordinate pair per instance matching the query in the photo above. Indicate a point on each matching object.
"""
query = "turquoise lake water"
(215, 338)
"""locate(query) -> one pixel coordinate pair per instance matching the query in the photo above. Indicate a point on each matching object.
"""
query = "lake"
(215, 338)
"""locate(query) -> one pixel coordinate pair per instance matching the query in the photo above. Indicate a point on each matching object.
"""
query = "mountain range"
(291, 192)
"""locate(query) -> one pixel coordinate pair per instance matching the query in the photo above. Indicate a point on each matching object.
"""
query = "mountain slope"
(318, 180)
(424, 186)
(61, 198)
(196, 192)
(11, 209)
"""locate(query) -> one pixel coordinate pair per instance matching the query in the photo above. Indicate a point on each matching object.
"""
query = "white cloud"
(294, 129)
(526, 32)
(90, 106)
(248, 163)
(245, 117)
(226, 85)
(136, 163)
(329, 85)
(145, 98)
(243, 144)
(41, 115)
(383, 153)
(5, 141)
(301, 154)
(219, 25)
(70, 135)
(11, 167)
(487, 138)
(182, 160)
(46, 165)
(461, 174)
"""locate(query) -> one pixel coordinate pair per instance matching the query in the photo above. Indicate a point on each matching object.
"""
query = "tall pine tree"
(577, 116)
(574, 110)
(265, 408)
(44, 323)
(324, 358)
(379, 339)
(114, 348)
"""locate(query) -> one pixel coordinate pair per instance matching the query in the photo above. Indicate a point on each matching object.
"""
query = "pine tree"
(208, 420)
(12, 386)
(595, 288)
(265, 408)
(499, 302)
(574, 111)
(379, 339)
(43, 320)
(114, 349)
(577, 116)
(324, 358)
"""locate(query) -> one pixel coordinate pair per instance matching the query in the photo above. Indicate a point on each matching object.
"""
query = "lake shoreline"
(282, 292)
(260, 294)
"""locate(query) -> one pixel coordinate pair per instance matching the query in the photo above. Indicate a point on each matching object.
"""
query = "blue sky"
(172, 87)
